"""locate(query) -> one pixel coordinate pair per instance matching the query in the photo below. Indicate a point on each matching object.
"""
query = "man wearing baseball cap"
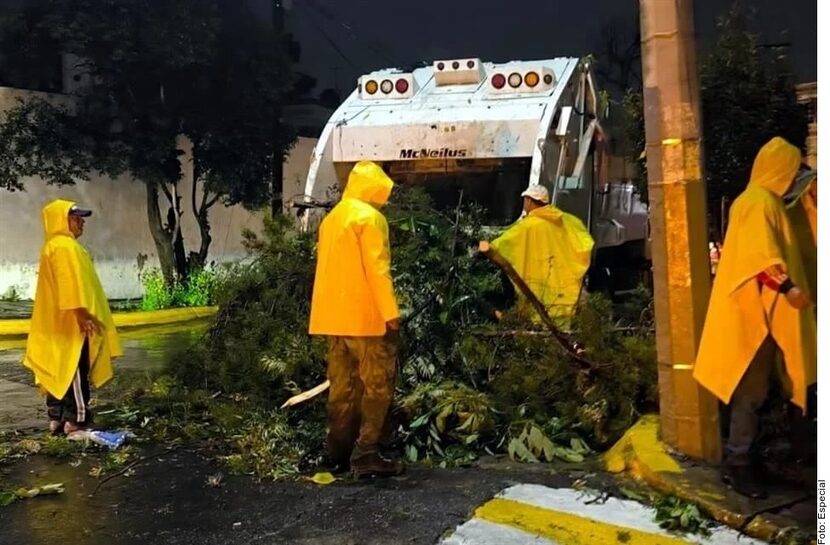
(551, 251)
(72, 338)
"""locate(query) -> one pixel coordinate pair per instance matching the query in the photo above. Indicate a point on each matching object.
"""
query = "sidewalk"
(18, 328)
(641, 455)
(527, 514)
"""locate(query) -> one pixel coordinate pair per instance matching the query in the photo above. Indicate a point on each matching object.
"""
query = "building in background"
(118, 235)
(808, 94)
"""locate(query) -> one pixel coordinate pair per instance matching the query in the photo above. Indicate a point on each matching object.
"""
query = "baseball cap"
(537, 193)
(82, 212)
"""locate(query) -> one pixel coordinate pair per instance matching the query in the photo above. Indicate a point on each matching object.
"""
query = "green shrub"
(12, 295)
(157, 295)
(197, 290)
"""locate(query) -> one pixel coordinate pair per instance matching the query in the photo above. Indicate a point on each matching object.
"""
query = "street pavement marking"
(565, 528)
(481, 532)
(530, 514)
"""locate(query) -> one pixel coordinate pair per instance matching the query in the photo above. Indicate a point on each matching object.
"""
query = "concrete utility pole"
(689, 414)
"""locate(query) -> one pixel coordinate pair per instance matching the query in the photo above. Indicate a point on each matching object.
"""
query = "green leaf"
(7, 498)
(433, 432)
(632, 494)
(568, 455)
(441, 419)
(467, 423)
(322, 479)
(521, 452)
(579, 446)
(420, 421)
(411, 453)
(511, 449)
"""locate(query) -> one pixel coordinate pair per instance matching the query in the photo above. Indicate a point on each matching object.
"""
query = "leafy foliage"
(197, 290)
(12, 294)
(680, 516)
(448, 421)
(747, 97)
(467, 384)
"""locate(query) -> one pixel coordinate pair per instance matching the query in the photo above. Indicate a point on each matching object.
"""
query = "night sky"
(342, 39)
(385, 33)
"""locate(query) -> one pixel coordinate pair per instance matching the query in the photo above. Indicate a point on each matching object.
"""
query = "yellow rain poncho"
(551, 251)
(67, 281)
(353, 294)
(741, 314)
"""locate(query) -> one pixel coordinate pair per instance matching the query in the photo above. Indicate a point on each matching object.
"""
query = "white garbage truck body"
(463, 128)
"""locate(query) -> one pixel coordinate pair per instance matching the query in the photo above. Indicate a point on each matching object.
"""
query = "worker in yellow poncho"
(551, 251)
(354, 305)
(72, 338)
(759, 307)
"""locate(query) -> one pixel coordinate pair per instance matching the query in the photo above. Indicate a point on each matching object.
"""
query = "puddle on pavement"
(145, 349)
(146, 352)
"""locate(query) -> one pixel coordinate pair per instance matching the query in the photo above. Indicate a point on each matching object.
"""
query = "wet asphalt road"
(145, 351)
(168, 501)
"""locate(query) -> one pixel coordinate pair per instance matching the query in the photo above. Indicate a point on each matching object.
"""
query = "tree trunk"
(174, 232)
(198, 259)
(161, 237)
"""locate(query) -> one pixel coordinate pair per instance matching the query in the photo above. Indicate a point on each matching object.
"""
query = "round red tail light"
(402, 86)
(498, 81)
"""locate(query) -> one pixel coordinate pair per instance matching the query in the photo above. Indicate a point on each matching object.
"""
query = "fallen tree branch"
(121, 472)
(491, 254)
(513, 333)
(536, 333)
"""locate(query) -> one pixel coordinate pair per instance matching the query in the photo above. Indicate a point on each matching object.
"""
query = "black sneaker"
(744, 480)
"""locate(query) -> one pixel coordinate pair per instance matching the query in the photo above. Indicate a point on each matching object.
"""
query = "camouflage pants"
(361, 371)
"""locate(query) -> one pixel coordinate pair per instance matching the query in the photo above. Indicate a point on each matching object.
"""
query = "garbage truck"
(486, 131)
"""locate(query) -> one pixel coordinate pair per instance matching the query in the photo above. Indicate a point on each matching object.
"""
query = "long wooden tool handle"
(485, 248)
(308, 394)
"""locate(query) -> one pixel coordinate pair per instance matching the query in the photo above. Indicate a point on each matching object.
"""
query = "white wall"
(117, 235)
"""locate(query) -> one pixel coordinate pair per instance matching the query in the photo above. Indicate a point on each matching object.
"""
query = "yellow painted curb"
(161, 317)
(125, 320)
(640, 451)
(564, 527)
(14, 328)
(641, 454)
